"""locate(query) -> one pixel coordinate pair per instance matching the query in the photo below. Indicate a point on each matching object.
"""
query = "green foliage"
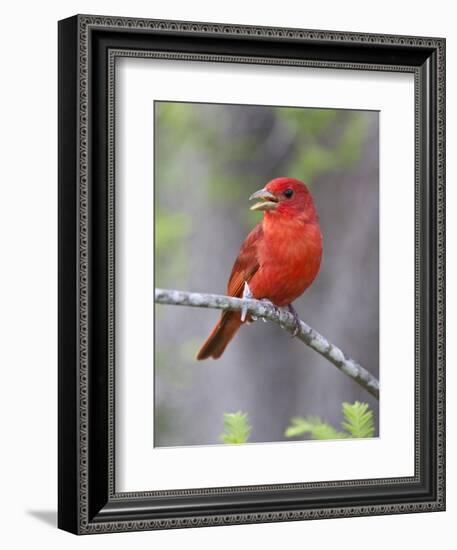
(309, 121)
(312, 161)
(325, 140)
(177, 117)
(171, 228)
(358, 419)
(171, 232)
(315, 426)
(358, 422)
(350, 145)
(236, 428)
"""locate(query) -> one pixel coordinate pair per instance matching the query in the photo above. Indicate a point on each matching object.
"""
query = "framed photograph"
(251, 274)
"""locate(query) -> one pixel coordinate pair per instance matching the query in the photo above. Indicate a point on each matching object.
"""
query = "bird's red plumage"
(279, 259)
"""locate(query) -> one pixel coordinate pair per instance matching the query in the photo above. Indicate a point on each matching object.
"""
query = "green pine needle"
(315, 426)
(358, 419)
(358, 422)
(236, 428)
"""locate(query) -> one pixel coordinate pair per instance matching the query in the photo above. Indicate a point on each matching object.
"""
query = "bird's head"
(285, 197)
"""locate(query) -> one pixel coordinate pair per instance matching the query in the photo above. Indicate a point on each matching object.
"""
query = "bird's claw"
(271, 304)
(292, 310)
(247, 295)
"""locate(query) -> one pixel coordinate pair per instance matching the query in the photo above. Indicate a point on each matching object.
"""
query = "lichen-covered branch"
(286, 320)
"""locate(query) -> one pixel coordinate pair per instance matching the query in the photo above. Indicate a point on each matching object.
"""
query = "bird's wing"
(246, 264)
(243, 270)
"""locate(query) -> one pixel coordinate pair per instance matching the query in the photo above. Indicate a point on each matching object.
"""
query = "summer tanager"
(279, 259)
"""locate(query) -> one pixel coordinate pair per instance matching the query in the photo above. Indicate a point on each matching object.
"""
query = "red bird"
(279, 259)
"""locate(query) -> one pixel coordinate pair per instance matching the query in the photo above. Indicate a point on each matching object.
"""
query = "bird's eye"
(288, 193)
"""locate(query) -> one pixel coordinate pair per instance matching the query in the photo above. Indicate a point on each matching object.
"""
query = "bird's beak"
(268, 201)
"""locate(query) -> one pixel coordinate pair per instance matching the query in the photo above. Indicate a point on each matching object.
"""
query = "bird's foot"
(292, 310)
(247, 295)
(271, 304)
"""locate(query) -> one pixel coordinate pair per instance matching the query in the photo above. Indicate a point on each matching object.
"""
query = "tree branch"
(283, 318)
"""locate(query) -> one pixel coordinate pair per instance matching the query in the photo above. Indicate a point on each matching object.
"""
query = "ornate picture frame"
(88, 48)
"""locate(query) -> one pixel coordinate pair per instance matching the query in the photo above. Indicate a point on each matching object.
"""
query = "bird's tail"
(221, 335)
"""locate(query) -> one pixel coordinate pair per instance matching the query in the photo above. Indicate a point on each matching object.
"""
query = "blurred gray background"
(208, 160)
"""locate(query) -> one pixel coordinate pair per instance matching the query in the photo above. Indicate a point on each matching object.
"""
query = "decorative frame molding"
(88, 502)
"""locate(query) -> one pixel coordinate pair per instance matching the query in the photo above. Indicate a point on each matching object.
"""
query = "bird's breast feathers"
(289, 258)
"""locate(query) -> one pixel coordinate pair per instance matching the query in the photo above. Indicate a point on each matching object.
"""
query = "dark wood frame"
(88, 46)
